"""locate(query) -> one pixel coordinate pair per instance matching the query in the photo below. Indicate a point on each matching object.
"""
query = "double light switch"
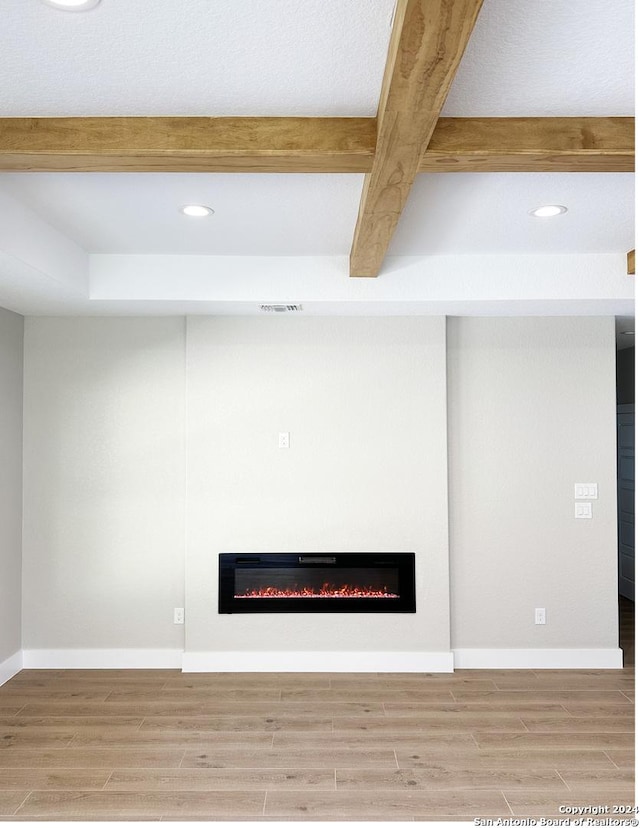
(585, 491)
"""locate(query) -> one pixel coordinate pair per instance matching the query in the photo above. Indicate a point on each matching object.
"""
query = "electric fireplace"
(338, 582)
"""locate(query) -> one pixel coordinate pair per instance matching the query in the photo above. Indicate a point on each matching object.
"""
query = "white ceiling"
(314, 215)
(547, 57)
(194, 57)
(487, 212)
(255, 214)
(302, 57)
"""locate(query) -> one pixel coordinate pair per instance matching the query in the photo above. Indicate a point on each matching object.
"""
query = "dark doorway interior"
(625, 393)
(627, 616)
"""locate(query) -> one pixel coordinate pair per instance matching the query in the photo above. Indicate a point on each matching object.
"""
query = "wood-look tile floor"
(162, 745)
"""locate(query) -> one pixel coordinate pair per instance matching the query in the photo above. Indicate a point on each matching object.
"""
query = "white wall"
(103, 483)
(11, 336)
(531, 412)
(109, 541)
(364, 402)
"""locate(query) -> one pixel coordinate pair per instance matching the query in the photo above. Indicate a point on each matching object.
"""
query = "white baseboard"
(10, 666)
(317, 662)
(538, 659)
(101, 659)
(314, 662)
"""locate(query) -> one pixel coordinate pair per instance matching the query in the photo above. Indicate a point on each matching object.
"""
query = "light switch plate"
(586, 491)
(583, 510)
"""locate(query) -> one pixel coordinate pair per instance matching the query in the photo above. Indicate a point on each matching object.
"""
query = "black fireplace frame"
(402, 562)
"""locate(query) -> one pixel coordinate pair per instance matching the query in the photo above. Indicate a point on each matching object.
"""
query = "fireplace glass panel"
(316, 583)
(338, 582)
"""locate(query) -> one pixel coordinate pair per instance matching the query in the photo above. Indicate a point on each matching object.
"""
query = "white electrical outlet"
(540, 615)
(178, 615)
(283, 440)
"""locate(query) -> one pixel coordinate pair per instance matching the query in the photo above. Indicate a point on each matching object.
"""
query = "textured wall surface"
(11, 335)
(109, 543)
(531, 413)
(364, 402)
(103, 482)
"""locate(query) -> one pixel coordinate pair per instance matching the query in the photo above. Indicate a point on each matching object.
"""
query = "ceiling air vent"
(280, 308)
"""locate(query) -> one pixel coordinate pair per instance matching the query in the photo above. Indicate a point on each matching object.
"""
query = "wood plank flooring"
(161, 745)
(158, 744)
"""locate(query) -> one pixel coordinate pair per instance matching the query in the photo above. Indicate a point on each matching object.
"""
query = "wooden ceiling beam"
(188, 144)
(531, 145)
(427, 43)
(321, 145)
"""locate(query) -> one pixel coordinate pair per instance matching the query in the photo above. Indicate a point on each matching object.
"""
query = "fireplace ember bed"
(338, 582)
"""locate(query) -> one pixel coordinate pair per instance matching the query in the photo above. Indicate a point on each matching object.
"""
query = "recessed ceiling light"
(72, 5)
(548, 210)
(196, 210)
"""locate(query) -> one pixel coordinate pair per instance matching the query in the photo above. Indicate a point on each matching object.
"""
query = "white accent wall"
(364, 401)
(11, 331)
(532, 411)
(103, 483)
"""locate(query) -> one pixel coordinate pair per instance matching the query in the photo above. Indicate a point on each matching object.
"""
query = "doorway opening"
(625, 399)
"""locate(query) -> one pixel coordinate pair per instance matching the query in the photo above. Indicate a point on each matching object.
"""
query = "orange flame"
(325, 591)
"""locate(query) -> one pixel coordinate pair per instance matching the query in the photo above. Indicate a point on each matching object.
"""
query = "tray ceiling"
(314, 58)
